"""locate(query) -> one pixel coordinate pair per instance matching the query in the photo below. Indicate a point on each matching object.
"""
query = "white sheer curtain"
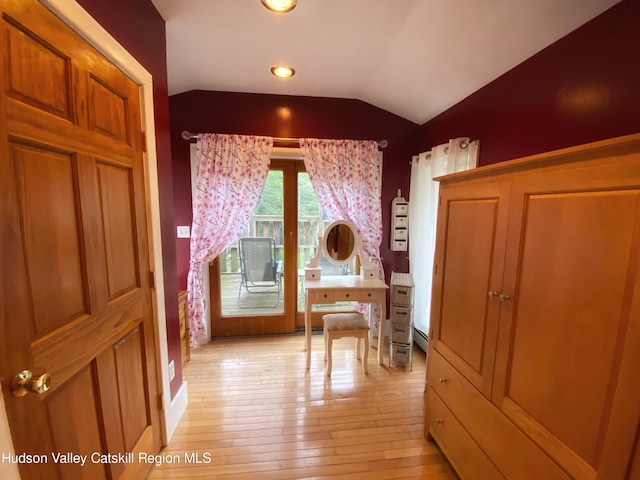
(347, 177)
(457, 155)
(232, 170)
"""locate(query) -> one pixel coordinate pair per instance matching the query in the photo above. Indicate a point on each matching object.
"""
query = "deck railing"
(273, 226)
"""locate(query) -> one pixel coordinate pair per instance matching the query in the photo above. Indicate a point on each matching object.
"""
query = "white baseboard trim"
(174, 411)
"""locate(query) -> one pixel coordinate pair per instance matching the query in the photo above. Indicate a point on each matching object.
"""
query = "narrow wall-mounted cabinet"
(399, 224)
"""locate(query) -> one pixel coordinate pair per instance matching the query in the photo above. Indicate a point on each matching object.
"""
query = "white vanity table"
(363, 288)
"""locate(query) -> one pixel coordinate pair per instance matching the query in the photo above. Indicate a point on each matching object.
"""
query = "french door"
(242, 305)
(290, 214)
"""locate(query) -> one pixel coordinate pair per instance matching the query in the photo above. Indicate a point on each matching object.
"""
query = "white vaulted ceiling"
(414, 58)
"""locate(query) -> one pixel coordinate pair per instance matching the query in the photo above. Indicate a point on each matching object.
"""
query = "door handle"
(25, 382)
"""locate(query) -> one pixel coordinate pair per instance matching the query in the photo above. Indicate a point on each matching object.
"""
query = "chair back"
(258, 258)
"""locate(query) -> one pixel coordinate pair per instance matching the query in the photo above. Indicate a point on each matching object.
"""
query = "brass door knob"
(25, 382)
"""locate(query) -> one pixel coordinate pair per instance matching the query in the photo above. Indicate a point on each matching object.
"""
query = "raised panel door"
(75, 288)
(468, 268)
(569, 329)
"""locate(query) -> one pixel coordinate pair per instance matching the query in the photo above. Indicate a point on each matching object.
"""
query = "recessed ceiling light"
(280, 6)
(283, 71)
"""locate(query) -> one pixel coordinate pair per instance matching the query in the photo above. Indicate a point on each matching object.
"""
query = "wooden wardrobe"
(534, 348)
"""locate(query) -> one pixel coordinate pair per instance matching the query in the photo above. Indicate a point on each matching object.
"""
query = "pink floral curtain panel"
(232, 170)
(347, 177)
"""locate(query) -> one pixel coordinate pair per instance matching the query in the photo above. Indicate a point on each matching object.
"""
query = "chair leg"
(358, 348)
(324, 335)
(328, 353)
(365, 356)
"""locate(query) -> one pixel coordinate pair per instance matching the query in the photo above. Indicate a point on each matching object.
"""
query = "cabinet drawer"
(400, 222)
(401, 334)
(402, 209)
(400, 233)
(400, 245)
(513, 452)
(463, 452)
(400, 315)
(322, 297)
(401, 295)
(345, 295)
(373, 296)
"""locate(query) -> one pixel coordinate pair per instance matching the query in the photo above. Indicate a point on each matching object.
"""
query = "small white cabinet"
(399, 224)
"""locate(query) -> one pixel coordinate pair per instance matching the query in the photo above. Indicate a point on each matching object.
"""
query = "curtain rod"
(190, 136)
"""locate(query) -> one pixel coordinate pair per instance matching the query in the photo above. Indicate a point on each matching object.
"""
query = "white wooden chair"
(338, 325)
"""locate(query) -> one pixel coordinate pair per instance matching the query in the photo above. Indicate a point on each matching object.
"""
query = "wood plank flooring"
(255, 413)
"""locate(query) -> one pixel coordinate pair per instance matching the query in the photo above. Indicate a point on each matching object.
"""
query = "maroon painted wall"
(258, 114)
(142, 34)
(583, 88)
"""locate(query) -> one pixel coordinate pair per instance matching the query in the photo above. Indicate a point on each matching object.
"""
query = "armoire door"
(76, 295)
(569, 343)
(468, 271)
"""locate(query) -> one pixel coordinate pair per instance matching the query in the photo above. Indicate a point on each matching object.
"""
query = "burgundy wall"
(583, 88)
(289, 116)
(142, 34)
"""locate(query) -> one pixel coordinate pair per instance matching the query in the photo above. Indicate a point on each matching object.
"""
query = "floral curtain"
(347, 177)
(457, 155)
(232, 170)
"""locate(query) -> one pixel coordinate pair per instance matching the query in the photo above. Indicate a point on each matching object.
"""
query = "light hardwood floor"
(255, 413)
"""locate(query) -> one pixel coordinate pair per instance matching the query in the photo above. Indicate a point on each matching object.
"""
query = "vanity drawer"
(346, 295)
(373, 296)
(462, 451)
(319, 296)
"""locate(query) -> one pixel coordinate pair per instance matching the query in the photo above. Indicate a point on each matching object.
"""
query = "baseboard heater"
(421, 339)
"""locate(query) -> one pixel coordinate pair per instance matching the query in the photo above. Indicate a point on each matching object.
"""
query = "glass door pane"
(252, 269)
(312, 223)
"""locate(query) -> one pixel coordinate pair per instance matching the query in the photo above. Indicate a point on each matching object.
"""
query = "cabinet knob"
(492, 294)
(442, 380)
(439, 420)
(503, 297)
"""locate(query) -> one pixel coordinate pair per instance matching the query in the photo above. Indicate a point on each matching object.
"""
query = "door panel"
(471, 266)
(79, 429)
(558, 306)
(467, 264)
(115, 184)
(77, 303)
(44, 81)
(131, 388)
(562, 370)
(48, 208)
(108, 110)
(235, 311)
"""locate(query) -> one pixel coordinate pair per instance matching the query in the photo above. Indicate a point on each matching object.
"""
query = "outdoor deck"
(261, 303)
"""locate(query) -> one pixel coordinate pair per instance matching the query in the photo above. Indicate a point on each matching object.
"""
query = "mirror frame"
(356, 242)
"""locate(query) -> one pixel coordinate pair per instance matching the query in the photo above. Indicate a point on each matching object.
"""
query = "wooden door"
(265, 316)
(569, 344)
(468, 266)
(75, 297)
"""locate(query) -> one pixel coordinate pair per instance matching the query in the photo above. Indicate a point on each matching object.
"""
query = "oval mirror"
(339, 242)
